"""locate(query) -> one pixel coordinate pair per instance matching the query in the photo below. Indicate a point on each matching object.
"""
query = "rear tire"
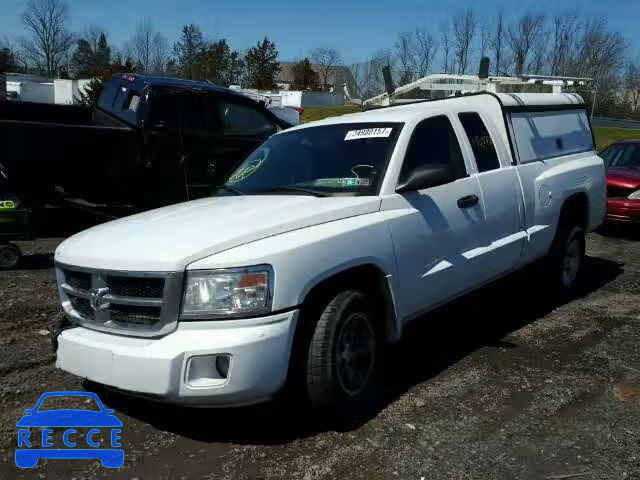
(346, 356)
(566, 259)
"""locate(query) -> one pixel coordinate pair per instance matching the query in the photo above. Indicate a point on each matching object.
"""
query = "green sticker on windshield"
(350, 182)
(245, 172)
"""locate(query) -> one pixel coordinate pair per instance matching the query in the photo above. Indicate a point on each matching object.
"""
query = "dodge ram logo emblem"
(97, 299)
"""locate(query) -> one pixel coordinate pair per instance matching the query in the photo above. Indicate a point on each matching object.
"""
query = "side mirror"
(426, 176)
(28, 411)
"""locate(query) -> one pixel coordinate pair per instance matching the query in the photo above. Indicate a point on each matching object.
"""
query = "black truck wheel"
(346, 356)
(10, 255)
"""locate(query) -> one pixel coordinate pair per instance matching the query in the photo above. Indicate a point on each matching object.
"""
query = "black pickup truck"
(151, 141)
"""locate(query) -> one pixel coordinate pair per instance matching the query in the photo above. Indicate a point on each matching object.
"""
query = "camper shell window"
(544, 134)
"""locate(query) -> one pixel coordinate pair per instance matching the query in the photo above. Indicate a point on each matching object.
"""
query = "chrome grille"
(135, 303)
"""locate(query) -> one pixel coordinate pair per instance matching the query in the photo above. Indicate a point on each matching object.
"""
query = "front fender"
(303, 258)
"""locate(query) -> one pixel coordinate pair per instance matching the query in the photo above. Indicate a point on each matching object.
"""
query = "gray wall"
(322, 99)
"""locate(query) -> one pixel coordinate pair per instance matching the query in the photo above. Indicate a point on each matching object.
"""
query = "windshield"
(622, 156)
(324, 160)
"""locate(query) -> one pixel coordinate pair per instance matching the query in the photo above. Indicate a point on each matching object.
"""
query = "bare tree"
(159, 54)
(539, 54)
(49, 41)
(632, 84)
(601, 54)
(416, 52)
(424, 51)
(141, 45)
(445, 42)
(326, 59)
(367, 75)
(521, 36)
(564, 32)
(485, 37)
(464, 31)
(404, 51)
(497, 45)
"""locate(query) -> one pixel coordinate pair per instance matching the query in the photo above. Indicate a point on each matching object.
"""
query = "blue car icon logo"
(102, 423)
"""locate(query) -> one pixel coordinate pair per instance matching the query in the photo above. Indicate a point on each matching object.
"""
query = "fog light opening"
(222, 365)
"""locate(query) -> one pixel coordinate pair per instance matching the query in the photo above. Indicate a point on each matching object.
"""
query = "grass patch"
(607, 135)
(604, 135)
(311, 114)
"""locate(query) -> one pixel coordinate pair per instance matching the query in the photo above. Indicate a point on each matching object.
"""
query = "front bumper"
(259, 349)
(623, 210)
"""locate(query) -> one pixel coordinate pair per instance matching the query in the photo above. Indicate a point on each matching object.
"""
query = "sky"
(357, 28)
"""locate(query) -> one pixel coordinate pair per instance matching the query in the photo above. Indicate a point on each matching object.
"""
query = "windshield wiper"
(230, 189)
(293, 189)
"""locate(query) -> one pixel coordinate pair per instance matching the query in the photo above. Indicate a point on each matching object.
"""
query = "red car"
(622, 160)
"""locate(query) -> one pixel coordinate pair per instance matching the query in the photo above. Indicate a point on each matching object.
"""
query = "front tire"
(10, 256)
(346, 356)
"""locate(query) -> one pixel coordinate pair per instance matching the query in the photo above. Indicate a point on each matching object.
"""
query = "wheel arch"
(575, 209)
(367, 274)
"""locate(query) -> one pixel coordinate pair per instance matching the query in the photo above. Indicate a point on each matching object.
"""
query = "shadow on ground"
(432, 344)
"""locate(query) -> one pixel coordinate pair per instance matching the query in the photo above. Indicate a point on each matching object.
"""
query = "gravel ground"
(504, 384)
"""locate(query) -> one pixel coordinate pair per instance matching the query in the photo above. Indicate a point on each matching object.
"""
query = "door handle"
(468, 201)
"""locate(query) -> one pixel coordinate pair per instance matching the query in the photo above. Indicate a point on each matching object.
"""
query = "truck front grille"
(132, 303)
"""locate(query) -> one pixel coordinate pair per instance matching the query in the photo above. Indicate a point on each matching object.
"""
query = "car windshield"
(622, 156)
(341, 159)
(63, 402)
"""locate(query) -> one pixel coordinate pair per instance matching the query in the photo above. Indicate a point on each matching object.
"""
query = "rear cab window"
(544, 134)
(480, 140)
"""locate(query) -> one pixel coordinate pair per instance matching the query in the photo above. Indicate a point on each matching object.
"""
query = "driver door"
(438, 230)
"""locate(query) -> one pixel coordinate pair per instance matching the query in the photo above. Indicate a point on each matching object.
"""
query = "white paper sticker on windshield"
(368, 133)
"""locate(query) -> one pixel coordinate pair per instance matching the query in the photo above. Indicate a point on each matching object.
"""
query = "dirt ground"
(505, 384)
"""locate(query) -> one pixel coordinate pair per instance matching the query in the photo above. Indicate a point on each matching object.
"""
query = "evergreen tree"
(102, 56)
(188, 50)
(262, 65)
(7, 61)
(304, 76)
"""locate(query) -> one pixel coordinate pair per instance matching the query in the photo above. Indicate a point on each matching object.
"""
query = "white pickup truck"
(324, 243)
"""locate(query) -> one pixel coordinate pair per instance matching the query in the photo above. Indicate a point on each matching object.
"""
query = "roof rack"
(450, 85)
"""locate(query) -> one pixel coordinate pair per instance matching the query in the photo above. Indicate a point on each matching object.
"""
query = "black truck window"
(238, 118)
(185, 109)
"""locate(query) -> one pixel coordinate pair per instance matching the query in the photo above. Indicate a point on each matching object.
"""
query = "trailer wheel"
(10, 255)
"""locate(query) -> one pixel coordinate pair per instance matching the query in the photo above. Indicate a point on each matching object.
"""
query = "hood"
(623, 177)
(170, 238)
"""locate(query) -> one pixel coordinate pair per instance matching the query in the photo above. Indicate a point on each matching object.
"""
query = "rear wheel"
(345, 359)
(566, 258)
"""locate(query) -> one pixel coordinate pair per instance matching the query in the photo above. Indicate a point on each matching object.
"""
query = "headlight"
(227, 293)
(635, 195)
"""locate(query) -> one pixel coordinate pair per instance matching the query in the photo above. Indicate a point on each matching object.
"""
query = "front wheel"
(346, 356)
(10, 255)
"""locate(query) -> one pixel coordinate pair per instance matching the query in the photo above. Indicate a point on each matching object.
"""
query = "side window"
(481, 143)
(433, 142)
(240, 119)
(185, 109)
(610, 155)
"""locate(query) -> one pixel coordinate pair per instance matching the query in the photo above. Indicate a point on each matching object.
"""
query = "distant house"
(337, 76)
